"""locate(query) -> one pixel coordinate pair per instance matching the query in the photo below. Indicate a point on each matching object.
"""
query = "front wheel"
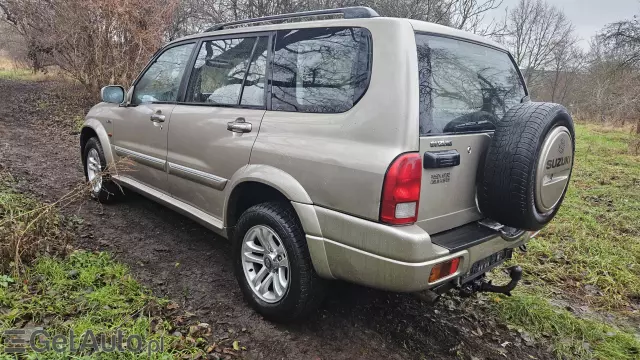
(272, 263)
(103, 188)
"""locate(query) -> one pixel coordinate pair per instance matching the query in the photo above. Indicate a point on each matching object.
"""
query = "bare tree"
(195, 15)
(97, 42)
(622, 40)
(534, 32)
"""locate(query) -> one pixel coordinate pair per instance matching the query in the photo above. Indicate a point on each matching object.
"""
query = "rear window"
(464, 87)
(320, 70)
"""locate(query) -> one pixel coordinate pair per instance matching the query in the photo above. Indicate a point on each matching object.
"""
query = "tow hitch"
(481, 284)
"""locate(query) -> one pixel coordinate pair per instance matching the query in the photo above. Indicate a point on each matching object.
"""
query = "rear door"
(213, 130)
(465, 88)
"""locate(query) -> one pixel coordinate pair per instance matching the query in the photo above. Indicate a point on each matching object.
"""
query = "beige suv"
(392, 153)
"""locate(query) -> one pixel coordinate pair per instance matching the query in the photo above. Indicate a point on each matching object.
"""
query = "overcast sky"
(588, 16)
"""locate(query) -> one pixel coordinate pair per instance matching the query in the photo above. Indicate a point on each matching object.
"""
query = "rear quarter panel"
(341, 159)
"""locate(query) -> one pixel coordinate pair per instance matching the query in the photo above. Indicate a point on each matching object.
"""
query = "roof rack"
(354, 12)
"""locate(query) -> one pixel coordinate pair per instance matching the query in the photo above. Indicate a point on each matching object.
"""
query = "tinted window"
(161, 81)
(320, 70)
(223, 66)
(464, 87)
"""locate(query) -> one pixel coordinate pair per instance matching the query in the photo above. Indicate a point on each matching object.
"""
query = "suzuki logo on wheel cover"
(562, 145)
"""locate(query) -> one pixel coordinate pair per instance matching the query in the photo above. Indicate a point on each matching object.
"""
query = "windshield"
(464, 87)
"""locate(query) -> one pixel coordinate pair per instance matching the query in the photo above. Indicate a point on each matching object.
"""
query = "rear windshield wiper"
(474, 126)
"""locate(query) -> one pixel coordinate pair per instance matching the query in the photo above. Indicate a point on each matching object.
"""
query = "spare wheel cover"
(553, 169)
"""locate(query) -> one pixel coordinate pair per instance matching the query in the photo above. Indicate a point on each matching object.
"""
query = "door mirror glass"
(113, 94)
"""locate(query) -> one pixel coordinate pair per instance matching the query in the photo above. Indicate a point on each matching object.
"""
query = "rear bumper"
(385, 257)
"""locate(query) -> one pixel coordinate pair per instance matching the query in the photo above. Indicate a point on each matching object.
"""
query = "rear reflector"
(401, 190)
(444, 269)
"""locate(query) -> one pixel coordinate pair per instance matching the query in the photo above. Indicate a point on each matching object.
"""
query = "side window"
(161, 81)
(320, 70)
(229, 72)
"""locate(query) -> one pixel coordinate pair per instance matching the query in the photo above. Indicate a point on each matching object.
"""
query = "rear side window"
(229, 72)
(464, 87)
(320, 70)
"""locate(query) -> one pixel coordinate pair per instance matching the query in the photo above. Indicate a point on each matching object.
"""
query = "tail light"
(401, 190)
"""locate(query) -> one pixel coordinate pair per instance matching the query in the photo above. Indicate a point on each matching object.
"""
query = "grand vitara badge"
(441, 143)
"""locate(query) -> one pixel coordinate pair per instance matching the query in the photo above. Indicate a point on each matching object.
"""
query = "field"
(116, 266)
(583, 270)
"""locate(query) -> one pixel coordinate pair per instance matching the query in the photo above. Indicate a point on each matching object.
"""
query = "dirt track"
(38, 148)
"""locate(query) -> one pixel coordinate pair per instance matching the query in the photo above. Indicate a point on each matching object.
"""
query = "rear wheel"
(272, 263)
(103, 188)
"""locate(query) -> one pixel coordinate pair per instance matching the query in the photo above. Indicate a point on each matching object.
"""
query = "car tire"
(532, 143)
(304, 288)
(104, 189)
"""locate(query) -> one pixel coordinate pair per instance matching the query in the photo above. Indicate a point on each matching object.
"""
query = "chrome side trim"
(150, 161)
(183, 208)
(198, 176)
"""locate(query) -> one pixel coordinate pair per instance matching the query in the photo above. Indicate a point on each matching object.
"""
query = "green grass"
(82, 291)
(572, 337)
(22, 74)
(592, 247)
(87, 291)
(588, 257)
(27, 227)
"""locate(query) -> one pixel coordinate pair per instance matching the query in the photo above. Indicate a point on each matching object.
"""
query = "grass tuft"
(88, 291)
(28, 228)
(572, 337)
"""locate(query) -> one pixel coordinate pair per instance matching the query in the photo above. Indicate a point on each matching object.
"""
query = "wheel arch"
(93, 128)
(261, 183)
(254, 184)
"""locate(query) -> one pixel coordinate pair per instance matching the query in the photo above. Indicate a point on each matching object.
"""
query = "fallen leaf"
(236, 346)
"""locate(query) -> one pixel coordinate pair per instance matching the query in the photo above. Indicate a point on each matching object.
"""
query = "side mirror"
(113, 94)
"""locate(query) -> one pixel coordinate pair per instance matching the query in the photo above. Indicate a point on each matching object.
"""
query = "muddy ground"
(181, 260)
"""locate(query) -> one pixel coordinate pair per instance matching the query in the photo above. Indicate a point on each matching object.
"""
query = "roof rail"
(354, 12)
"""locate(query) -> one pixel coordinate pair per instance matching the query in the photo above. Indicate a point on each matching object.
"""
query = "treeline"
(108, 41)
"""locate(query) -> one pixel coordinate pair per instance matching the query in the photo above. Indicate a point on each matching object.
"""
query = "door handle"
(157, 117)
(441, 159)
(240, 125)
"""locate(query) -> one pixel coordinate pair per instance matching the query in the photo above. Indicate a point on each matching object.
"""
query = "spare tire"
(528, 166)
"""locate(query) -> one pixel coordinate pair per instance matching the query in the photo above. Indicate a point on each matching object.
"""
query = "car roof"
(418, 25)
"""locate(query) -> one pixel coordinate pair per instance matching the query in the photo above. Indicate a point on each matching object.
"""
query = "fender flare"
(269, 175)
(300, 200)
(285, 184)
(99, 129)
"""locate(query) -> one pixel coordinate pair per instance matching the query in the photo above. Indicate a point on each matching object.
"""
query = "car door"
(140, 134)
(213, 130)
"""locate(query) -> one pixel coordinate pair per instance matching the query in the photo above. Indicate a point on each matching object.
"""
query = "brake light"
(444, 269)
(401, 190)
